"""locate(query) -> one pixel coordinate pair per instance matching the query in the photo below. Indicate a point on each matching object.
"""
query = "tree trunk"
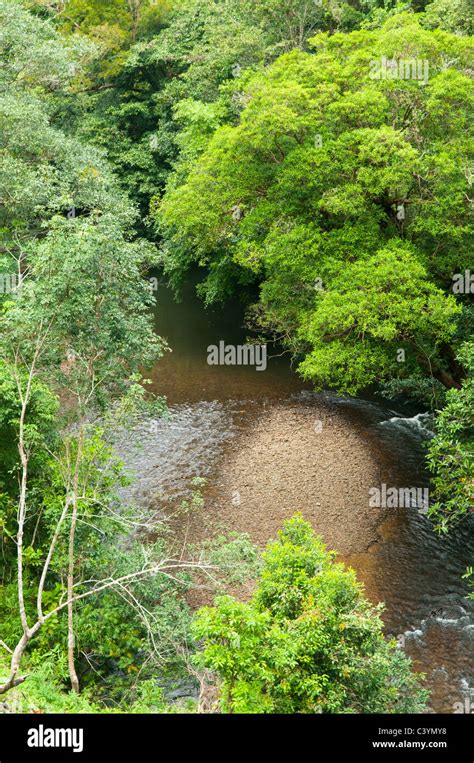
(450, 377)
(70, 575)
(446, 379)
(12, 679)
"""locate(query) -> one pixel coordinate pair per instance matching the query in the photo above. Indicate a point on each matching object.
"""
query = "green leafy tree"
(77, 322)
(452, 15)
(44, 171)
(307, 642)
(345, 198)
(142, 94)
(451, 452)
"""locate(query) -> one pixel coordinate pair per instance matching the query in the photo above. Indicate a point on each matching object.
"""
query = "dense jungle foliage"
(257, 141)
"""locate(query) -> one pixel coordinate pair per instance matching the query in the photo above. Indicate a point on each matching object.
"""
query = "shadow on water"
(184, 375)
(417, 574)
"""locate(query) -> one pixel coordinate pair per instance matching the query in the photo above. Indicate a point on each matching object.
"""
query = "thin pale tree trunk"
(70, 576)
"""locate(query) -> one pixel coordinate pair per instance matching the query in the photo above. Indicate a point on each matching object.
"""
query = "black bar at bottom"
(145, 737)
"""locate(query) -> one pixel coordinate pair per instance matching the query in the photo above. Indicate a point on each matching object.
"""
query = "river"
(269, 446)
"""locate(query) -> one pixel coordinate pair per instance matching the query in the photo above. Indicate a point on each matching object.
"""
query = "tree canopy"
(313, 159)
(354, 207)
(307, 641)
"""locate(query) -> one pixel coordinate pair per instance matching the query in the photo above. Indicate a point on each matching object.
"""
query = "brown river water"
(269, 446)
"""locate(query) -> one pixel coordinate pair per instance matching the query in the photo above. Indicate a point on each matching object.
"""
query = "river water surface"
(269, 446)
